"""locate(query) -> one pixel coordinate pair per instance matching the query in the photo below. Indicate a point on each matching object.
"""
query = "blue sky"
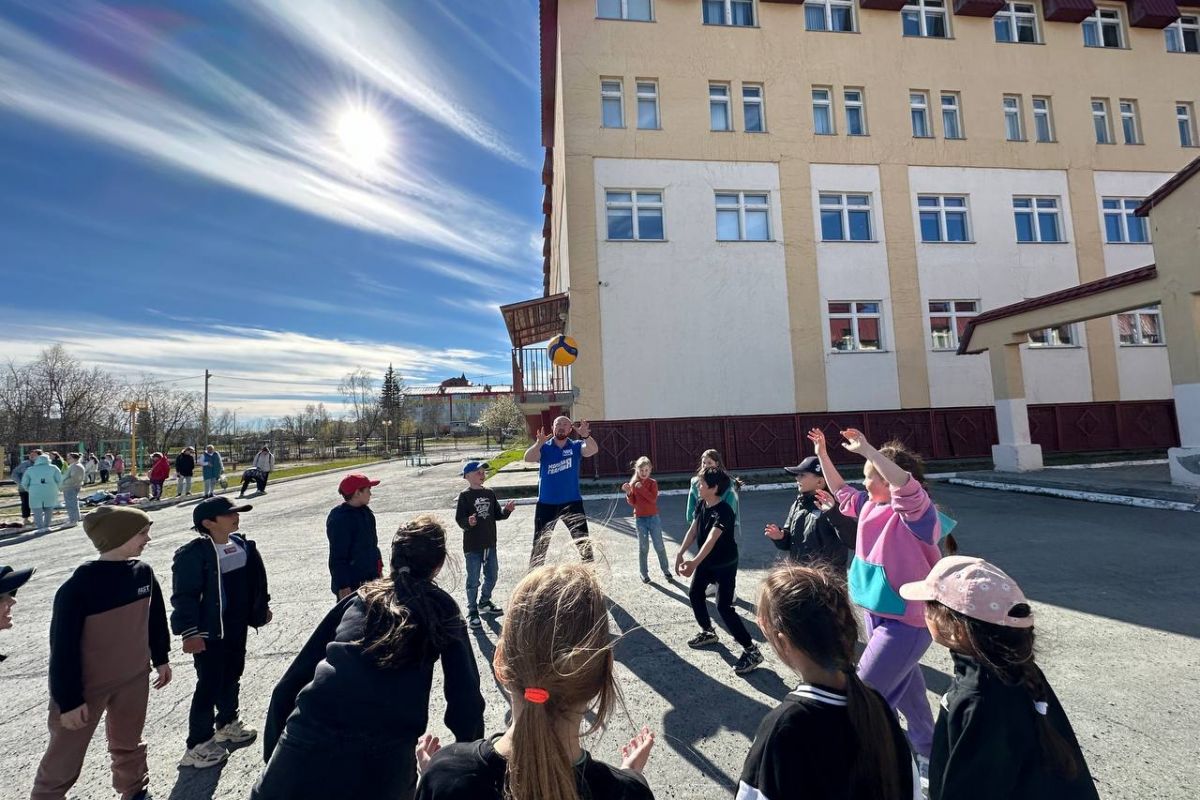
(178, 192)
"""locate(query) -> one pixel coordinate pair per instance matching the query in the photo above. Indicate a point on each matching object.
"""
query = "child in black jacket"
(476, 513)
(345, 718)
(354, 555)
(815, 528)
(1001, 733)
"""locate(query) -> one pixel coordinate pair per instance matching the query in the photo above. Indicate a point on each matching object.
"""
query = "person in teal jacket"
(711, 458)
(210, 470)
(42, 481)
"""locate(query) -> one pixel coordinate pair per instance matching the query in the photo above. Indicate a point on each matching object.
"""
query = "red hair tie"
(535, 695)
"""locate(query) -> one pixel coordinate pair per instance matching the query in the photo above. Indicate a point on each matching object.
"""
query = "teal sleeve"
(693, 498)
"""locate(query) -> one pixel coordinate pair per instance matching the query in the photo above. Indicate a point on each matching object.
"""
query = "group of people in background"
(349, 716)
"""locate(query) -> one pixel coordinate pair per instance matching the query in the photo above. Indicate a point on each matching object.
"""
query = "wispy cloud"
(522, 76)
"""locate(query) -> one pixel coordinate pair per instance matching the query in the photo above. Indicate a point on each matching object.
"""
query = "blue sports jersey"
(559, 472)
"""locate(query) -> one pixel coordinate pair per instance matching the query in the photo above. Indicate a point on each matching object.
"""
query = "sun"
(364, 137)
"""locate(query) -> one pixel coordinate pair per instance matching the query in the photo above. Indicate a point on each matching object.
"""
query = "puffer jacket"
(196, 605)
(212, 468)
(42, 482)
(160, 470)
(74, 477)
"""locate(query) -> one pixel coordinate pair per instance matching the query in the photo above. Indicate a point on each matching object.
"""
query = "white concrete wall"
(855, 271)
(997, 270)
(1143, 372)
(660, 301)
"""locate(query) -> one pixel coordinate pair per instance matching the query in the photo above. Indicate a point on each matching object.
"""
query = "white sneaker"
(204, 755)
(235, 733)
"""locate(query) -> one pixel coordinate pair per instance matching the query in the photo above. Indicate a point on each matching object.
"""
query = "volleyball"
(563, 351)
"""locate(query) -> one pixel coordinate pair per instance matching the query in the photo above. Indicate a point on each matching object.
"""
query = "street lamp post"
(132, 407)
(387, 423)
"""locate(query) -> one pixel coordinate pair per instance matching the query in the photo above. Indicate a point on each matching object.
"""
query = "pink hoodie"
(897, 544)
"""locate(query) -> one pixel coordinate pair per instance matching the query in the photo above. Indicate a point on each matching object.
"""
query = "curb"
(1075, 494)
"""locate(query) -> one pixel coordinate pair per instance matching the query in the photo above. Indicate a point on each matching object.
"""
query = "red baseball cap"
(353, 482)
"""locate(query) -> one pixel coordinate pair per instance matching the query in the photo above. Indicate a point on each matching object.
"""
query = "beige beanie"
(109, 527)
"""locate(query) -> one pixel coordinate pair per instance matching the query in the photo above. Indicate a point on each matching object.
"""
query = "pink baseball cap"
(973, 587)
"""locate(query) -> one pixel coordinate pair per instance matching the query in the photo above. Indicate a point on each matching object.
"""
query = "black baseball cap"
(213, 508)
(13, 579)
(811, 465)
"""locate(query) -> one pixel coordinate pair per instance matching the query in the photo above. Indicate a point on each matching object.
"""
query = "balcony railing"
(535, 373)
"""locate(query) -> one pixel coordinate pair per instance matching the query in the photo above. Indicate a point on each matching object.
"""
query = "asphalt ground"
(1113, 588)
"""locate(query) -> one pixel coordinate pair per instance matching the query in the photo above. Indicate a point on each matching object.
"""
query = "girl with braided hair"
(833, 737)
(1001, 732)
(345, 719)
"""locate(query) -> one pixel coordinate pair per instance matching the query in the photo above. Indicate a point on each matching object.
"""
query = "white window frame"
(953, 111)
(1125, 207)
(1176, 33)
(760, 100)
(1046, 112)
(843, 206)
(609, 94)
(728, 16)
(854, 315)
(826, 104)
(1036, 211)
(827, 7)
(941, 209)
(860, 104)
(924, 9)
(1137, 314)
(954, 315)
(1010, 16)
(641, 94)
(1102, 115)
(918, 101)
(1131, 123)
(1053, 338)
(625, 12)
(1105, 17)
(717, 98)
(742, 207)
(635, 204)
(1185, 122)
(1011, 104)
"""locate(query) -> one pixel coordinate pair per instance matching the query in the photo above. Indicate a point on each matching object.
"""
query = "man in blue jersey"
(559, 460)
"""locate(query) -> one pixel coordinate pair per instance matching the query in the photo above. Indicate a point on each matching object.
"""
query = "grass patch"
(235, 478)
(510, 455)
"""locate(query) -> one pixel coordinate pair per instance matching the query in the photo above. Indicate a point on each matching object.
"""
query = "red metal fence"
(762, 442)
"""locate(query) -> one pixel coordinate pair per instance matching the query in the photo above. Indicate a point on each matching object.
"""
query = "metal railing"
(535, 373)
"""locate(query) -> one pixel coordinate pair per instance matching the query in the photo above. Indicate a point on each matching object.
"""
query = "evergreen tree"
(391, 397)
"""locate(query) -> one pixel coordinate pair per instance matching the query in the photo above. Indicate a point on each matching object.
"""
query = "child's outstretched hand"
(509, 506)
(772, 532)
(635, 754)
(626, 487)
(427, 745)
(817, 437)
(855, 442)
(825, 500)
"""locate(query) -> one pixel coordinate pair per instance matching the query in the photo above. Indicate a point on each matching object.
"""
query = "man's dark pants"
(546, 516)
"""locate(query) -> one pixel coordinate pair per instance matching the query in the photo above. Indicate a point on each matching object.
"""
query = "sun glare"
(363, 137)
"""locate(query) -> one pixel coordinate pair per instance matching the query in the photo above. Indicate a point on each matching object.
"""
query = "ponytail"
(874, 771)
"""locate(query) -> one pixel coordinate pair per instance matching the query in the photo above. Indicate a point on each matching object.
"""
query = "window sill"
(1017, 141)
(998, 41)
(658, 128)
(858, 135)
(953, 138)
(1140, 346)
(623, 19)
(746, 241)
(934, 38)
(829, 133)
(849, 241)
(1183, 52)
(721, 130)
(944, 241)
(636, 241)
(727, 25)
(950, 350)
(613, 128)
(764, 132)
(827, 30)
(1062, 242)
(1054, 346)
(1046, 141)
(1105, 47)
(1135, 244)
(1137, 144)
(858, 352)
(923, 138)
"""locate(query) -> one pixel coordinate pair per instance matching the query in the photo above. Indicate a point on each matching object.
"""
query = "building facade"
(785, 208)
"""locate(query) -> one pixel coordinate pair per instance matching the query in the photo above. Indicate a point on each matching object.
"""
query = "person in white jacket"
(72, 482)
(264, 462)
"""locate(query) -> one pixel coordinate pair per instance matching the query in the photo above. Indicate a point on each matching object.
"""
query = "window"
(1183, 35)
(845, 217)
(647, 105)
(1013, 129)
(1140, 328)
(1103, 29)
(752, 108)
(729, 12)
(943, 218)
(612, 108)
(947, 321)
(718, 107)
(1058, 336)
(856, 112)
(1185, 117)
(743, 217)
(918, 106)
(855, 326)
(822, 104)
(624, 9)
(1120, 224)
(1016, 22)
(829, 15)
(925, 18)
(1100, 121)
(1043, 125)
(634, 215)
(1037, 219)
(1130, 128)
(951, 119)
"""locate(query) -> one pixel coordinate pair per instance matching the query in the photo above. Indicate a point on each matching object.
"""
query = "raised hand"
(773, 532)
(855, 442)
(427, 746)
(635, 754)
(509, 506)
(626, 487)
(817, 437)
(585, 429)
(825, 501)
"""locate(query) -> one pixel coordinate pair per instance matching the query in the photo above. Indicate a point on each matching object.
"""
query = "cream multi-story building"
(764, 208)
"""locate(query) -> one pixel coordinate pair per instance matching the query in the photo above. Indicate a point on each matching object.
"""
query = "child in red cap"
(354, 556)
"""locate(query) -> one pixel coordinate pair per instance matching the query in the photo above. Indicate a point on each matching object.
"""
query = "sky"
(279, 191)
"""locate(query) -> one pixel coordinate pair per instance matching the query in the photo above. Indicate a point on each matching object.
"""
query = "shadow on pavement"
(197, 784)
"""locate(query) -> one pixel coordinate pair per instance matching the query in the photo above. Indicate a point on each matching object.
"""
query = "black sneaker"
(490, 608)
(474, 621)
(750, 659)
(703, 639)
(645, 579)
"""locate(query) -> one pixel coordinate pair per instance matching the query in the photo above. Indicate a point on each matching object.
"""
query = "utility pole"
(204, 423)
(132, 407)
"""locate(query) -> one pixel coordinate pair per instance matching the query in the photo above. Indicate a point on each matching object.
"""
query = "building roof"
(533, 321)
(1161, 193)
(494, 388)
(1146, 273)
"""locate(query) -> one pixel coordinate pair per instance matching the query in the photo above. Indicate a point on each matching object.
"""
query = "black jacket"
(810, 534)
(196, 607)
(354, 555)
(985, 743)
(185, 464)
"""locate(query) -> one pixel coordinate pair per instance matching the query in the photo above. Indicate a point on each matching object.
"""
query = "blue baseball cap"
(472, 466)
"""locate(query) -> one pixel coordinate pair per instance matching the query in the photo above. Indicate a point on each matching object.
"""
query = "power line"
(267, 380)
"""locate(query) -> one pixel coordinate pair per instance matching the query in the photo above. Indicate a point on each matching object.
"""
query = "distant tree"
(391, 397)
(358, 392)
(503, 416)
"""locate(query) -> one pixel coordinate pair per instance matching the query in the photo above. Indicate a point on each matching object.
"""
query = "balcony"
(536, 379)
